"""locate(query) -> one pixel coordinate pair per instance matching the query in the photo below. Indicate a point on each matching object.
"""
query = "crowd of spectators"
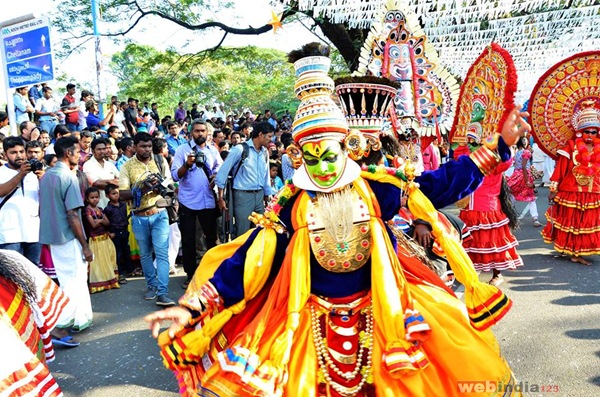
(69, 164)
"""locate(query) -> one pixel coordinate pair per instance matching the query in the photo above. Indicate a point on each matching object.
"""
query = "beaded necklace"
(325, 361)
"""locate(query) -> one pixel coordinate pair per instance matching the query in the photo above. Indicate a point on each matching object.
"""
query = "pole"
(98, 53)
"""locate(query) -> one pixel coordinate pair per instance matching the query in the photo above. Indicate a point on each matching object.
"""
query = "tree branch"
(205, 25)
(72, 50)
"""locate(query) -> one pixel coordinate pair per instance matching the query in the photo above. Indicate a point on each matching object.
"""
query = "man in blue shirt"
(34, 94)
(22, 105)
(174, 140)
(251, 183)
(92, 118)
(194, 167)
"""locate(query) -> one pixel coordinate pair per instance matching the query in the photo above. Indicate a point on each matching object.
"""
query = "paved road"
(551, 337)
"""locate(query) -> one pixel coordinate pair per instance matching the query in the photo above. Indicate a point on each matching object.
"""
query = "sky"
(162, 34)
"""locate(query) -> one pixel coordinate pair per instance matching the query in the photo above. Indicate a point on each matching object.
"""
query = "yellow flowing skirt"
(103, 269)
(462, 360)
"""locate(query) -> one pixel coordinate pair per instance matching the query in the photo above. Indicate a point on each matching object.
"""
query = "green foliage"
(339, 67)
(248, 77)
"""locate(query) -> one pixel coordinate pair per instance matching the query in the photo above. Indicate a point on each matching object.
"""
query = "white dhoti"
(72, 273)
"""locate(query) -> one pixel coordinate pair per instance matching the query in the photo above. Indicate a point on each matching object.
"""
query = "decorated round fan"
(558, 96)
(486, 96)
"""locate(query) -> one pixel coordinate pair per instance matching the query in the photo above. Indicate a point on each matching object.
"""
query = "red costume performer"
(571, 137)
(485, 96)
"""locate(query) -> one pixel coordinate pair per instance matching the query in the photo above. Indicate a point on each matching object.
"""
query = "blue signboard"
(27, 53)
(30, 71)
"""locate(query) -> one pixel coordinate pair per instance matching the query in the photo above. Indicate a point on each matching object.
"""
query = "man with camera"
(19, 202)
(35, 157)
(150, 223)
(194, 167)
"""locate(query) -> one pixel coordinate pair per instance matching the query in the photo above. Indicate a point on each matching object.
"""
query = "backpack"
(245, 153)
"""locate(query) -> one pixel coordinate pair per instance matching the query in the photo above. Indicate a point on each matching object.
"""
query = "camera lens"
(35, 165)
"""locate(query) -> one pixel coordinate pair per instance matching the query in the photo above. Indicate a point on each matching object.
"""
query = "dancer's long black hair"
(12, 270)
(508, 206)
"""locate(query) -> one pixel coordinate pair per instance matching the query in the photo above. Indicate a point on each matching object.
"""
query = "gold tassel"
(485, 303)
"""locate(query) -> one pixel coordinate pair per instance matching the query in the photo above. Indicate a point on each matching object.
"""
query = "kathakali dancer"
(565, 115)
(487, 96)
(320, 299)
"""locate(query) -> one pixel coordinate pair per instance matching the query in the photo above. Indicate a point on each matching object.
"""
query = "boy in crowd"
(116, 212)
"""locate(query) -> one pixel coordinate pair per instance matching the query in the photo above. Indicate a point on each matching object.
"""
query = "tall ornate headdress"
(491, 83)
(565, 99)
(397, 49)
(317, 116)
(366, 102)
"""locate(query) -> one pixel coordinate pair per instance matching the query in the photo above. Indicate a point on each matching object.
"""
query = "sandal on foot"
(496, 281)
(67, 341)
(536, 223)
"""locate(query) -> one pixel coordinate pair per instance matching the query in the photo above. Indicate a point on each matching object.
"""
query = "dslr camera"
(200, 158)
(35, 165)
(156, 183)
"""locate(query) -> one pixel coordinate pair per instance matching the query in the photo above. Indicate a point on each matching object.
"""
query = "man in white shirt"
(47, 108)
(119, 119)
(19, 201)
(99, 171)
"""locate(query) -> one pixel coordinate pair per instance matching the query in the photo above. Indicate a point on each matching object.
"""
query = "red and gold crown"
(366, 103)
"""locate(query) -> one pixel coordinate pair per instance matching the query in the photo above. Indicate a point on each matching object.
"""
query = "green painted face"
(478, 112)
(324, 161)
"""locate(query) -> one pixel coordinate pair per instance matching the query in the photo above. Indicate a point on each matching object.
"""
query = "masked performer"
(320, 300)
(571, 137)
(488, 90)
